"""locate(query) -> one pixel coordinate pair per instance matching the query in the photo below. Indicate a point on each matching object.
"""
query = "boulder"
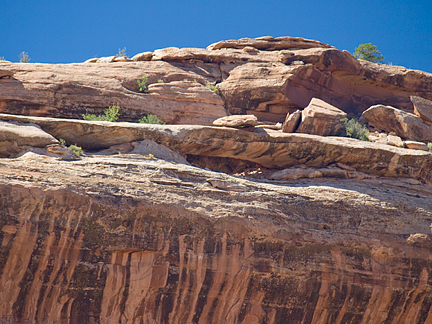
(395, 141)
(237, 121)
(106, 59)
(404, 124)
(321, 118)
(413, 145)
(145, 56)
(422, 108)
(14, 137)
(292, 122)
(296, 173)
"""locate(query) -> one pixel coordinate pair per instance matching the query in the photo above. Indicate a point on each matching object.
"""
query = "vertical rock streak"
(48, 261)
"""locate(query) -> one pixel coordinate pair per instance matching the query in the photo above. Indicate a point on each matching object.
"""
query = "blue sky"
(73, 31)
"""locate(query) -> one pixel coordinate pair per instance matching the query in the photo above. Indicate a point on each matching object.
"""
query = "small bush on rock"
(213, 88)
(111, 114)
(142, 84)
(24, 58)
(76, 149)
(121, 52)
(151, 119)
(429, 145)
(352, 128)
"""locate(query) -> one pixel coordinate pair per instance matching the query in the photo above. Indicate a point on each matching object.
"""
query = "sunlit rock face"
(113, 240)
(268, 77)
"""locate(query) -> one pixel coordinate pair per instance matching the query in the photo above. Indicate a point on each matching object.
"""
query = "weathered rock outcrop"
(268, 77)
(404, 124)
(266, 147)
(300, 228)
(132, 240)
(70, 90)
(14, 137)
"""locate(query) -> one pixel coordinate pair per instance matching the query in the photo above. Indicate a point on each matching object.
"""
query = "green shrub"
(111, 114)
(24, 58)
(151, 119)
(2, 58)
(213, 88)
(142, 84)
(62, 142)
(76, 149)
(352, 128)
(160, 81)
(429, 145)
(368, 52)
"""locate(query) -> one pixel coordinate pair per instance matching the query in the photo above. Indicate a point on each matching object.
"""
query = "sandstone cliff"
(192, 223)
(268, 77)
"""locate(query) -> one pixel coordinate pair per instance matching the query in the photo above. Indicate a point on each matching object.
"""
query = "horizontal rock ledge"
(269, 148)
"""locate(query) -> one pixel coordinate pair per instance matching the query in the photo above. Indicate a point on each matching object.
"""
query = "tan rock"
(405, 125)
(268, 148)
(269, 43)
(277, 126)
(422, 108)
(91, 88)
(334, 172)
(413, 145)
(92, 60)
(236, 121)
(145, 56)
(107, 59)
(122, 59)
(296, 173)
(419, 239)
(321, 118)
(185, 91)
(395, 141)
(15, 136)
(292, 122)
(149, 147)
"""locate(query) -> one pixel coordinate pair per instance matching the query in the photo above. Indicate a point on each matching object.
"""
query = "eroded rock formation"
(293, 228)
(136, 240)
(268, 77)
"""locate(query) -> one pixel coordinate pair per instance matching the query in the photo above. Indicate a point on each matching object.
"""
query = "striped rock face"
(134, 239)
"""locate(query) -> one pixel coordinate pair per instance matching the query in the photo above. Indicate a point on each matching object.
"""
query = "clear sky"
(75, 30)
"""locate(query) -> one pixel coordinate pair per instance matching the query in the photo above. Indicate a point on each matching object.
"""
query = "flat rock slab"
(416, 145)
(237, 121)
(268, 148)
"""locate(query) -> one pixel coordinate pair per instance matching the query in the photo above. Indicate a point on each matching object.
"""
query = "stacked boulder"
(415, 128)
